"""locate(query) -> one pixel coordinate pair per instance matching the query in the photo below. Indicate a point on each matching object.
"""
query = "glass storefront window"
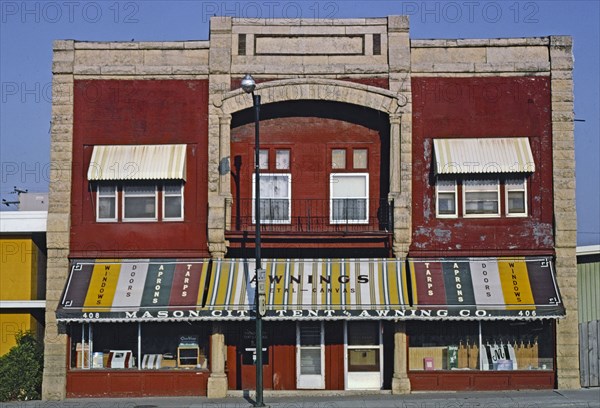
(139, 346)
(517, 345)
(443, 346)
(487, 346)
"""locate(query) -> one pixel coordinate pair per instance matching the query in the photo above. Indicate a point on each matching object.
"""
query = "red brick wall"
(126, 112)
(482, 107)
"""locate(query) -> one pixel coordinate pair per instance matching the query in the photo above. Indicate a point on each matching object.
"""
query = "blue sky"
(27, 29)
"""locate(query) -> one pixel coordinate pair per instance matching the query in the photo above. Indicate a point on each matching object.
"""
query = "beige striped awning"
(138, 162)
(311, 289)
(483, 155)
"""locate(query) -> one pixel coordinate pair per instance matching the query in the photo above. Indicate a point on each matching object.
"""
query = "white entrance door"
(364, 356)
(310, 355)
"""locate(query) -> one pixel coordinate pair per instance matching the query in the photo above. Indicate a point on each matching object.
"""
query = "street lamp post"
(248, 85)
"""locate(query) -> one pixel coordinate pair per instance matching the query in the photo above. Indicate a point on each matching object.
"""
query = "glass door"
(364, 356)
(310, 356)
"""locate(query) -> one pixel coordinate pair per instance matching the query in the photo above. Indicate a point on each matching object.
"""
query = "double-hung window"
(139, 203)
(106, 208)
(516, 197)
(349, 194)
(275, 198)
(172, 202)
(481, 198)
(275, 188)
(446, 199)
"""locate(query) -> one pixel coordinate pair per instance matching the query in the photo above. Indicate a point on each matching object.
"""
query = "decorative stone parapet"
(481, 56)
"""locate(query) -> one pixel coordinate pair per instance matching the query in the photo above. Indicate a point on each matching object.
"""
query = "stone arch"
(315, 89)
(286, 90)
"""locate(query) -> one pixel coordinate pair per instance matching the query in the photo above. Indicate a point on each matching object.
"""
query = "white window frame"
(164, 201)
(115, 198)
(464, 198)
(288, 198)
(437, 199)
(365, 197)
(124, 194)
(516, 189)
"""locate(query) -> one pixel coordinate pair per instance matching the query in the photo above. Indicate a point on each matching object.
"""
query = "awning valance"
(134, 290)
(485, 288)
(138, 162)
(311, 288)
(483, 155)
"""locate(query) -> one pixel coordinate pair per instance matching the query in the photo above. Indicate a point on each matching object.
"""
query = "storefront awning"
(138, 162)
(483, 155)
(134, 290)
(485, 288)
(311, 289)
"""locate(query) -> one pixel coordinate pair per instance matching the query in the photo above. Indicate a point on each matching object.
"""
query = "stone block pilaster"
(400, 381)
(219, 83)
(59, 218)
(217, 381)
(563, 149)
(399, 52)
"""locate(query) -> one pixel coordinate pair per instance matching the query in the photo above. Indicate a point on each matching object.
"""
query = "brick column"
(59, 218)
(563, 163)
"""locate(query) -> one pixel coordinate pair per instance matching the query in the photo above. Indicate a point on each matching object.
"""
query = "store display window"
(140, 346)
(486, 346)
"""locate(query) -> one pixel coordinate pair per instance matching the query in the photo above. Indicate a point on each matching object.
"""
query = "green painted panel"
(588, 291)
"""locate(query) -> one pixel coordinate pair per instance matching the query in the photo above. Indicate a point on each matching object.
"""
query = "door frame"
(313, 381)
(381, 361)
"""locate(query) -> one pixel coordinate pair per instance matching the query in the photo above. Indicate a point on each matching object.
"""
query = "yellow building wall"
(11, 324)
(18, 281)
(18, 268)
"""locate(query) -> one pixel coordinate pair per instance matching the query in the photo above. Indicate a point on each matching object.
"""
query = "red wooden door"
(248, 369)
(246, 353)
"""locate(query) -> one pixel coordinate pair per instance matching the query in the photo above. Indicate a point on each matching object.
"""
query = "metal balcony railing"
(313, 215)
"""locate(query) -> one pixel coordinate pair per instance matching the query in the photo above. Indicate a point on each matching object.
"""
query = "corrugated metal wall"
(588, 293)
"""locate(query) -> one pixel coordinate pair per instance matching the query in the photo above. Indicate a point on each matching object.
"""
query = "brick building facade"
(422, 165)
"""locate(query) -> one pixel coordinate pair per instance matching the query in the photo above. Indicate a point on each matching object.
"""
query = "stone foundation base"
(400, 385)
(217, 386)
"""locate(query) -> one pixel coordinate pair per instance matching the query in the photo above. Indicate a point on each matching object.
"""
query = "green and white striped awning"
(138, 162)
(483, 155)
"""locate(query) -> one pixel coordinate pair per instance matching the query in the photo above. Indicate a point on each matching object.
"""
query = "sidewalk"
(584, 398)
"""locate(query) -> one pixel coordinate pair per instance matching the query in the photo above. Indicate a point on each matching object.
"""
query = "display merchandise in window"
(165, 346)
(515, 345)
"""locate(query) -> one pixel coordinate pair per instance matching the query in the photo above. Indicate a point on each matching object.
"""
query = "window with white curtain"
(349, 198)
(275, 198)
